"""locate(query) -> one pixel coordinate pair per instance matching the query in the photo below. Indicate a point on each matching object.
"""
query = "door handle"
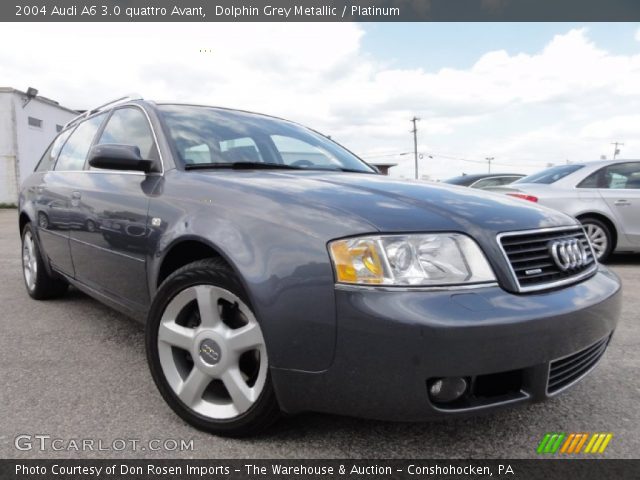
(76, 195)
(622, 203)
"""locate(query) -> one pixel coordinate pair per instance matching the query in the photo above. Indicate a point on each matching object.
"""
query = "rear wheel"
(207, 354)
(600, 236)
(40, 285)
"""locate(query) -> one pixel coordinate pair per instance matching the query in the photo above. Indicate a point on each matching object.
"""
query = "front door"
(621, 191)
(109, 246)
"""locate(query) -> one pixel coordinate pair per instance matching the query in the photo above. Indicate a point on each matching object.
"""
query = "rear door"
(110, 247)
(620, 188)
(54, 193)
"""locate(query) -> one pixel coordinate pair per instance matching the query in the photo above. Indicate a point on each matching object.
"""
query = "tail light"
(524, 196)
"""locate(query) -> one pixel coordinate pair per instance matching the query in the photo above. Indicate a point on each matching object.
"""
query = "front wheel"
(207, 354)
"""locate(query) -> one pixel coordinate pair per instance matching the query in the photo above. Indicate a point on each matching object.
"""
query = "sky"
(526, 94)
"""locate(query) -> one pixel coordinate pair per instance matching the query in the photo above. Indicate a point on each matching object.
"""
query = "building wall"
(22, 145)
(8, 150)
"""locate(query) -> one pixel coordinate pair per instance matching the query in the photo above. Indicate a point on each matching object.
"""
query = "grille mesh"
(567, 370)
(530, 258)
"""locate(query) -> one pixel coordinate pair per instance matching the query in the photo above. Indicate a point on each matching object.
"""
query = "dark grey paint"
(330, 349)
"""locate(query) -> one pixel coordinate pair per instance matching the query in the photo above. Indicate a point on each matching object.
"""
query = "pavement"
(75, 370)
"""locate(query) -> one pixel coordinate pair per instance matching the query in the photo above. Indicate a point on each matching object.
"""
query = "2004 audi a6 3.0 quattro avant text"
(277, 272)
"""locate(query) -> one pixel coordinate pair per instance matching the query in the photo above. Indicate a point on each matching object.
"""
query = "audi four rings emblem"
(568, 254)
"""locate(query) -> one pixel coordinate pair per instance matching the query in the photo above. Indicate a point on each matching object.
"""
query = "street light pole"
(489, 160)
(415, 143)
(616, 150)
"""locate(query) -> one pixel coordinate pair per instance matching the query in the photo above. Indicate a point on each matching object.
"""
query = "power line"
(453, 157)
(380, 155)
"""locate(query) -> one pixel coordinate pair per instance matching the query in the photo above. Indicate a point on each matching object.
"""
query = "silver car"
(603, 195)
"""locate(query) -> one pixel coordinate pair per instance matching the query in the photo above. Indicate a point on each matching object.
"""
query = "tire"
(43, 220)
(90, 226)
(210, 364)
(40, 285)
(600, 235)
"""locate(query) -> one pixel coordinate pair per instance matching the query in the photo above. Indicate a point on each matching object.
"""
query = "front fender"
(280, 255)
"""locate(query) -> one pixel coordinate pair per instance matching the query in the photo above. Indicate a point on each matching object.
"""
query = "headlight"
(418, 260)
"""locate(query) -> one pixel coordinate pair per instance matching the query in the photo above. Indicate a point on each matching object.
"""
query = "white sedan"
(603, 195)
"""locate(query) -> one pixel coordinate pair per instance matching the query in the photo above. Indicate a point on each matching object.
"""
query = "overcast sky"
(525, 94)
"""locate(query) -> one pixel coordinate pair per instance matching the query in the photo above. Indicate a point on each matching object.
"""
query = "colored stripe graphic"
(551, 443)
(580, 444)
(573, 443)
(605, 442)
(543, 443)
(570, 439)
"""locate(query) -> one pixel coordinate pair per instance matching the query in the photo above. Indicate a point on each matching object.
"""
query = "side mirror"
(113, 156)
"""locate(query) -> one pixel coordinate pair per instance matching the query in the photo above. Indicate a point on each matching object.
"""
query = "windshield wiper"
(266, 166)
(242, 166)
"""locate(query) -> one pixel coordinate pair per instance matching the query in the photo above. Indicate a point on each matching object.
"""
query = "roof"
(40, 98)
(602, 163)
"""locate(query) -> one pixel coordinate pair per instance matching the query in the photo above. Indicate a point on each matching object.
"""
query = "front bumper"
(389, 343)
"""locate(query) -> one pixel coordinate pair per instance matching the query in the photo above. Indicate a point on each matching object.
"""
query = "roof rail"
(112, 103)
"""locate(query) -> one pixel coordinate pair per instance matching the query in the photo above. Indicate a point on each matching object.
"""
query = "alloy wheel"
(29, 260)
(598, 238)
(212, 352)
(43, 221)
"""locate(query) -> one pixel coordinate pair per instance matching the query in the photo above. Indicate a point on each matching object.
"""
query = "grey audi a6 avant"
(276, 272)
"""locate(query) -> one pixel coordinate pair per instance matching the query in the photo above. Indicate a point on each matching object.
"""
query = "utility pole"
(489, 160)
(415, 143)
(616, 150)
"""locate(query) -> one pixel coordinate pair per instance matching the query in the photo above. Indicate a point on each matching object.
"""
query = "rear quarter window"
(48, 160)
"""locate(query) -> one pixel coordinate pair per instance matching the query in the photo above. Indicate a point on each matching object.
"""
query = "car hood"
(394, 205)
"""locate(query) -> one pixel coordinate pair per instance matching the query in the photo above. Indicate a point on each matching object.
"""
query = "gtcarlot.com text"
(49, 443)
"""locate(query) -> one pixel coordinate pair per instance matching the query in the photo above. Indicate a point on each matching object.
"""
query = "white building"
(28, 124)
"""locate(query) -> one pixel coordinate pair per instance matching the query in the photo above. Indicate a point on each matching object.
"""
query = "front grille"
(532, 263)
(567, 370)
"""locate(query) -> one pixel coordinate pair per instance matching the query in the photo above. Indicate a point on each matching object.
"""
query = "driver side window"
(129, 126)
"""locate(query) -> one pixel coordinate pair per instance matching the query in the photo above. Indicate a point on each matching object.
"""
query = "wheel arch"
(606, 220)
(23, 220)
(188, 249)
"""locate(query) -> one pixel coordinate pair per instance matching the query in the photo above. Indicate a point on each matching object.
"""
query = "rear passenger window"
(49, 158)
(129, 126)
(74, 152)
(617, 176)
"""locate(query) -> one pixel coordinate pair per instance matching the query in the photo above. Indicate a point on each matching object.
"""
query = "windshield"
(205, 136)
(550, 175)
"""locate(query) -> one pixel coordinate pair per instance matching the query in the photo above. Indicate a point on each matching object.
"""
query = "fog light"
(449, 389)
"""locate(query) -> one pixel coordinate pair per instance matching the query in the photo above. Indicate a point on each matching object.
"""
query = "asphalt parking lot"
(74, 369)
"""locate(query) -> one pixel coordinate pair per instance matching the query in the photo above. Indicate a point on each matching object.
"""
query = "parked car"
(280, 273)
(484, 180)
(604, 196)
